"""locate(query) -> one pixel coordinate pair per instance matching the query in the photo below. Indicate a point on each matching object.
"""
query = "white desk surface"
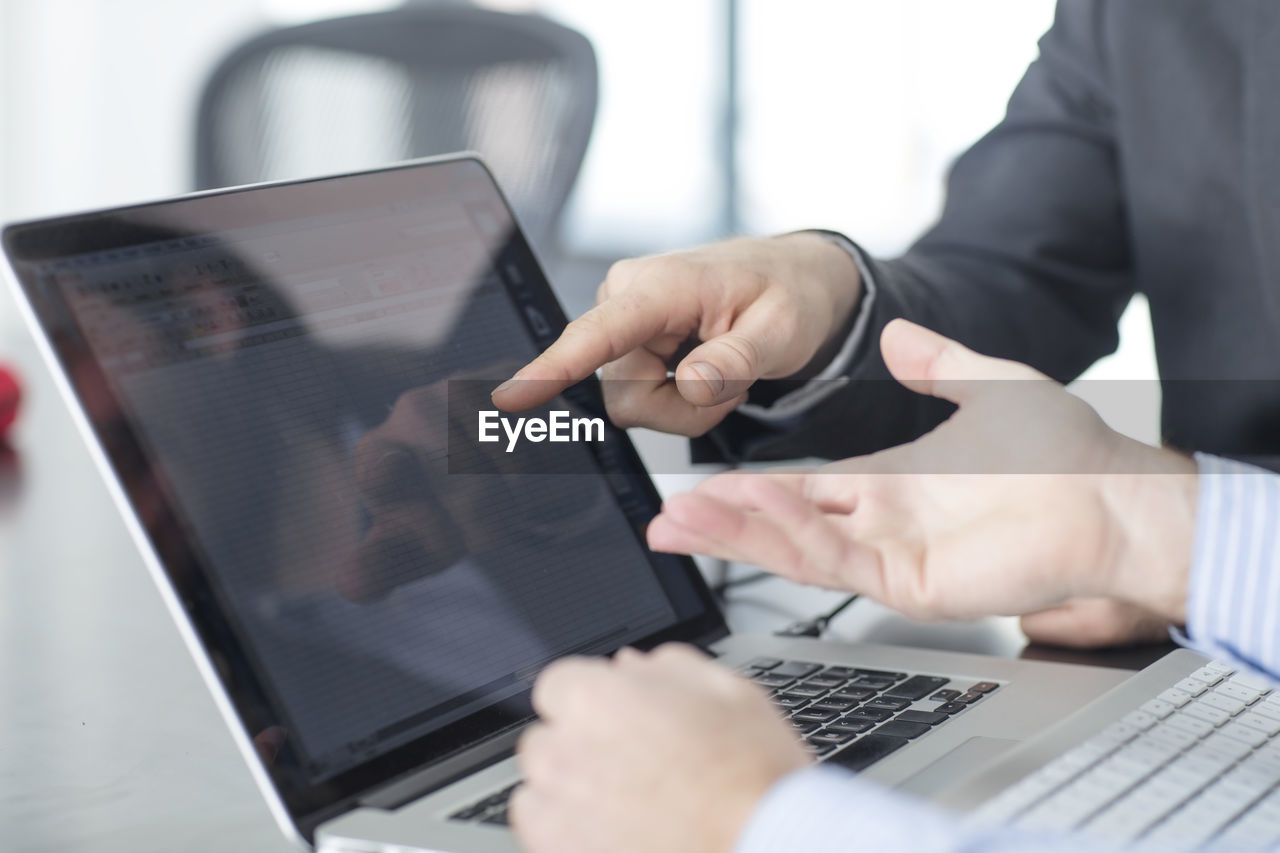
(108, 739)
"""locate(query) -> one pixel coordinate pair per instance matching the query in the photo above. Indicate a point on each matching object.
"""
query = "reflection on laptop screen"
(287, 384)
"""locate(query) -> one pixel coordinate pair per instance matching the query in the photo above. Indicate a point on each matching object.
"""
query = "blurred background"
(714, 116)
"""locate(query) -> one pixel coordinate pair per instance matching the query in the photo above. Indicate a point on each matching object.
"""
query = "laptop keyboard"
(492, 809)
(854, 717)
(1198, 763)
(847, 715)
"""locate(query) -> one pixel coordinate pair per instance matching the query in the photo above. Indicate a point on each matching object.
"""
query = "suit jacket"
(1140, 154)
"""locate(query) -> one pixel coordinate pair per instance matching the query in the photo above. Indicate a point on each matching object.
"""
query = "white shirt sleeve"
(835, 374)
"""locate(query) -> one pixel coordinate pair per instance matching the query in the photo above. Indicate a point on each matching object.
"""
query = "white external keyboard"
(1197, 765)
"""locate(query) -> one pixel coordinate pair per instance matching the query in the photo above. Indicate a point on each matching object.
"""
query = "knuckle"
(598, 325)
(619, 273)
(672, 652)
(554, 688)
(743, 348)
(625, 408)
(623, 275)
(587, 325)
(677, 268)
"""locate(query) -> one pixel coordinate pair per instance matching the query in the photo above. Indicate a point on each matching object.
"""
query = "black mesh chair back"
(357, 92)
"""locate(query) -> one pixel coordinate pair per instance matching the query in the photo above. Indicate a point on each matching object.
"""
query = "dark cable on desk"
(816, 626)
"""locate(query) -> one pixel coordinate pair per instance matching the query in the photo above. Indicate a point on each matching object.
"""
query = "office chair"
(427, 78)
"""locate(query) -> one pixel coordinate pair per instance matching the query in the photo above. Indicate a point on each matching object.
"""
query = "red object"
(10, 395)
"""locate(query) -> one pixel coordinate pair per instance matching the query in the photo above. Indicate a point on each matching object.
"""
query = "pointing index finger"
(604, 334)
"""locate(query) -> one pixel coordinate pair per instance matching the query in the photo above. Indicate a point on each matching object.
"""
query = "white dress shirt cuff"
(835, 375)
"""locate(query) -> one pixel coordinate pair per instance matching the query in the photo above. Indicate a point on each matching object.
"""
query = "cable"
(817, 625)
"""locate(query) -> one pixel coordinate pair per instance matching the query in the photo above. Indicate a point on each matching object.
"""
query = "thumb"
(724, 367)
(928, 363)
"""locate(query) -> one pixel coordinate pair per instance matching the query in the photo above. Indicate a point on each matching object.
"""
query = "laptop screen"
(275, 374)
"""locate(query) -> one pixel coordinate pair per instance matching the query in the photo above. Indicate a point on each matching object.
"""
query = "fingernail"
(505, 386)
(710, 375)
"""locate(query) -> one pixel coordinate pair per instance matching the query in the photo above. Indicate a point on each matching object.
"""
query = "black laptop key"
(810, 692)
(929, 718)
(791, 701)
(841, 672)
(833, 704)
(918, 686)
(945, 696)
(827, 737)
(765, 663)
(898, 728)
(795, 668)
(773, 679)
(852, 694)
(888, 703)
(881, 673)
(850, 727)
(823, 682)
(984, 687)
(970, 697)
(497, 818)
(809, 715)
(804, 728)
(874, 715)
(492, 809)
(470, 812)
(872, 682)
(867, 750)
(951, 707)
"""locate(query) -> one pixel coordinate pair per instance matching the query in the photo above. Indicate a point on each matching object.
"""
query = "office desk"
(109, 739)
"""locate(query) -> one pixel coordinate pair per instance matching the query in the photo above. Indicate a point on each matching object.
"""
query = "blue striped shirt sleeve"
(1233, 595)
(1232, 614)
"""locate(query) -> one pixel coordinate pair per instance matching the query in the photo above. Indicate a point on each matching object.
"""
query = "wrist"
(1152, 507)
(824, 261)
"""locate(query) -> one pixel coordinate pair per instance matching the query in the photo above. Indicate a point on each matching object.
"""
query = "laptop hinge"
(707, 641)
(422, 782)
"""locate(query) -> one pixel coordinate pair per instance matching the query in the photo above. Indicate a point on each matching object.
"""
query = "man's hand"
(663, 751)
(754, 308)
(1091, 623)
(1023, 500)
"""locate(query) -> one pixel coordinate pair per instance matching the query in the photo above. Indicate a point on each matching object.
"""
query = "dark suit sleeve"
(1030, 259)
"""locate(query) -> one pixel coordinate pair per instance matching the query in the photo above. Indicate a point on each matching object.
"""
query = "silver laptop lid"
(280, 379)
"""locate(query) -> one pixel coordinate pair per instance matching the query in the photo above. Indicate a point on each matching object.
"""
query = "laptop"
(280, 383)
